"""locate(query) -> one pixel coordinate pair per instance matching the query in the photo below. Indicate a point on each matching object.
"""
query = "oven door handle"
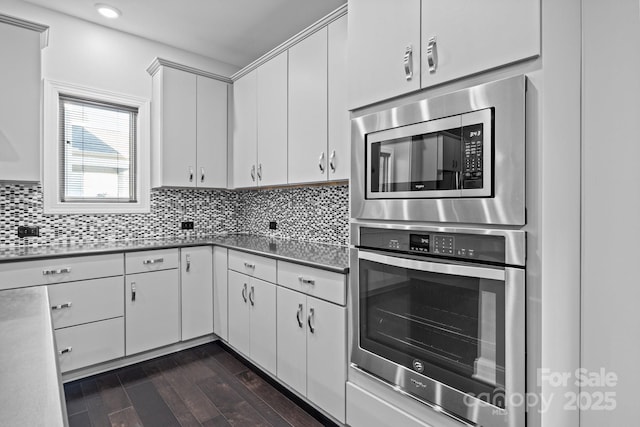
(435, 267)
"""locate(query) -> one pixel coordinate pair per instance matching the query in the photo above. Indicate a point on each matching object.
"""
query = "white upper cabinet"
(272, 121)
(462, 37)
(189, 129)
(339, 123)
(20, 44)
(383, 36)
(308, 109)
(399, 47)
(245, 131)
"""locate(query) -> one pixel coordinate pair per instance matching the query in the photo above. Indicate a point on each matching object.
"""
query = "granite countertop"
(319, 255)
(31, 392)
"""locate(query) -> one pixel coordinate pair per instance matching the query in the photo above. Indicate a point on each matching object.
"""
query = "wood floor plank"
(150, 407)
(175, 403)
(220, 421)
(284, 406)
(234, 408)
(193, 397)
(80, 419)
(192, 366)
(112, 392)
(132, 375)
(74, 398)
(127, 417)
(229, 362)
(98, 413)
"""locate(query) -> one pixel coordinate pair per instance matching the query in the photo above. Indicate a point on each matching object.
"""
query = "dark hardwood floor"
(203, 386)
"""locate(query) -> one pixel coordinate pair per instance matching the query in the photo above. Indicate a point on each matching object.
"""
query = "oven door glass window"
(448, 327)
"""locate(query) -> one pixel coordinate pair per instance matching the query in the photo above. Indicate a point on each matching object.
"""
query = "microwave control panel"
(459, 245)
(472, 156)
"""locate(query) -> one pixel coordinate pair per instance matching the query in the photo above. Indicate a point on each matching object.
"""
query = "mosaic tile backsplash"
(318, 214)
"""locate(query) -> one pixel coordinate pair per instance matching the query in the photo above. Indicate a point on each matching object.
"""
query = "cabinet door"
(327, 356)
(220, 325)
(153, 314)
(211, 133)
(476, 36)
(308, 109)
(272, 121)
(239, 325)
(339, 135)
(262, 297)
(178, 127)
(292, 339)
(379, 33)
(196, 273)
(19, 104)
(244, 131)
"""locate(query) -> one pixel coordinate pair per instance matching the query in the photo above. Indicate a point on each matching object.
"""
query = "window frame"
(53, 203)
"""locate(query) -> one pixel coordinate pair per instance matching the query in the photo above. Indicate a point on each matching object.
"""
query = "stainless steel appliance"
(456, 158)
(438, 314)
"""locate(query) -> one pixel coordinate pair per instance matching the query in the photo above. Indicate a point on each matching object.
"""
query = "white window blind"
(97, 151)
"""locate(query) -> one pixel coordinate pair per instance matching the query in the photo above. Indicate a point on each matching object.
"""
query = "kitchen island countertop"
(319, 255)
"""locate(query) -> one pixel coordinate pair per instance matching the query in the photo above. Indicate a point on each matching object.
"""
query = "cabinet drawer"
(323, 284)
(140, 262)
(59, 270)
(253, 265)
(88, 344)
(86, 301)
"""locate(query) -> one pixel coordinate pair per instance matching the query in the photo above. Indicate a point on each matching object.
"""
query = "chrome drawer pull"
(58, 271)
(249, 265)
(321, 162)
(432, 55)
(201, 174)
(153, 261)
(251, 299)
(408, 62)
(306, 281)
(188, 263)
(332, 164)
(244, 292)
(133, 291)
(61, 306)
(65, 350)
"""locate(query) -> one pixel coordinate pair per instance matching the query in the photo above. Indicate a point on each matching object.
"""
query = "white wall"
(91, 55)
(611, 205)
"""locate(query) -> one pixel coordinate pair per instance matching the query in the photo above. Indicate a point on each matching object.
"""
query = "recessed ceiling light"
(108, 11)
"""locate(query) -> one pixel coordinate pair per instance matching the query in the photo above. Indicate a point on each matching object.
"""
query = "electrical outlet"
(28, 231)
(273, 225)
(187, 225)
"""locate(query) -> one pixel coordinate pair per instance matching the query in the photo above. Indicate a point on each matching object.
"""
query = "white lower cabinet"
(220, 316)
(252, 319)
(312, 355)
(196, 287)
(91, 343)
(152, 309)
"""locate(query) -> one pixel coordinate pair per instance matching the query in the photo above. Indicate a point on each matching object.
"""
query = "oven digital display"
(419, 242)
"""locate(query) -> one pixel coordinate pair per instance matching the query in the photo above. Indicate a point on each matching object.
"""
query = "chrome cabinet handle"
(332, 165)
(152, 261)
(260, 172)
(432, 55)
(298, 315)
(253, 173)
(61, 306)
(249, 265)
(190, 174)
(251, 296)
(65, 350)
(188, 262)
(311, 320)
(306, 281)
(321, 162)
(133, 291)
(408, 62)
(58, 271)
(201, 174)
(244, 293)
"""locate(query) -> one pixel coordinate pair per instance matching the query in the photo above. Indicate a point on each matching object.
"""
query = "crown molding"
(313, 28)
(22, 23)
(158, 62)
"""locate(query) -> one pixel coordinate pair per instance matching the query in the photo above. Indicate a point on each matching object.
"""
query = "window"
(99, 141)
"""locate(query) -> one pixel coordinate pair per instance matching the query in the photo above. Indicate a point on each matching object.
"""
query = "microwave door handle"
(434, 267)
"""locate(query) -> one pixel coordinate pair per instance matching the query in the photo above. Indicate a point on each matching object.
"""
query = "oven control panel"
(434, 244)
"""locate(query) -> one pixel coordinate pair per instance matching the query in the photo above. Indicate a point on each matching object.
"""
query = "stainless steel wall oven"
(458, 157)
(438, 314)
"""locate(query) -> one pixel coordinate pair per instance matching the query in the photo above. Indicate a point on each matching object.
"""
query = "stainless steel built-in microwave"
(458, 157)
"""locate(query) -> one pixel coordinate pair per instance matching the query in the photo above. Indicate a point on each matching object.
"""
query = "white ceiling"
(232, 31)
